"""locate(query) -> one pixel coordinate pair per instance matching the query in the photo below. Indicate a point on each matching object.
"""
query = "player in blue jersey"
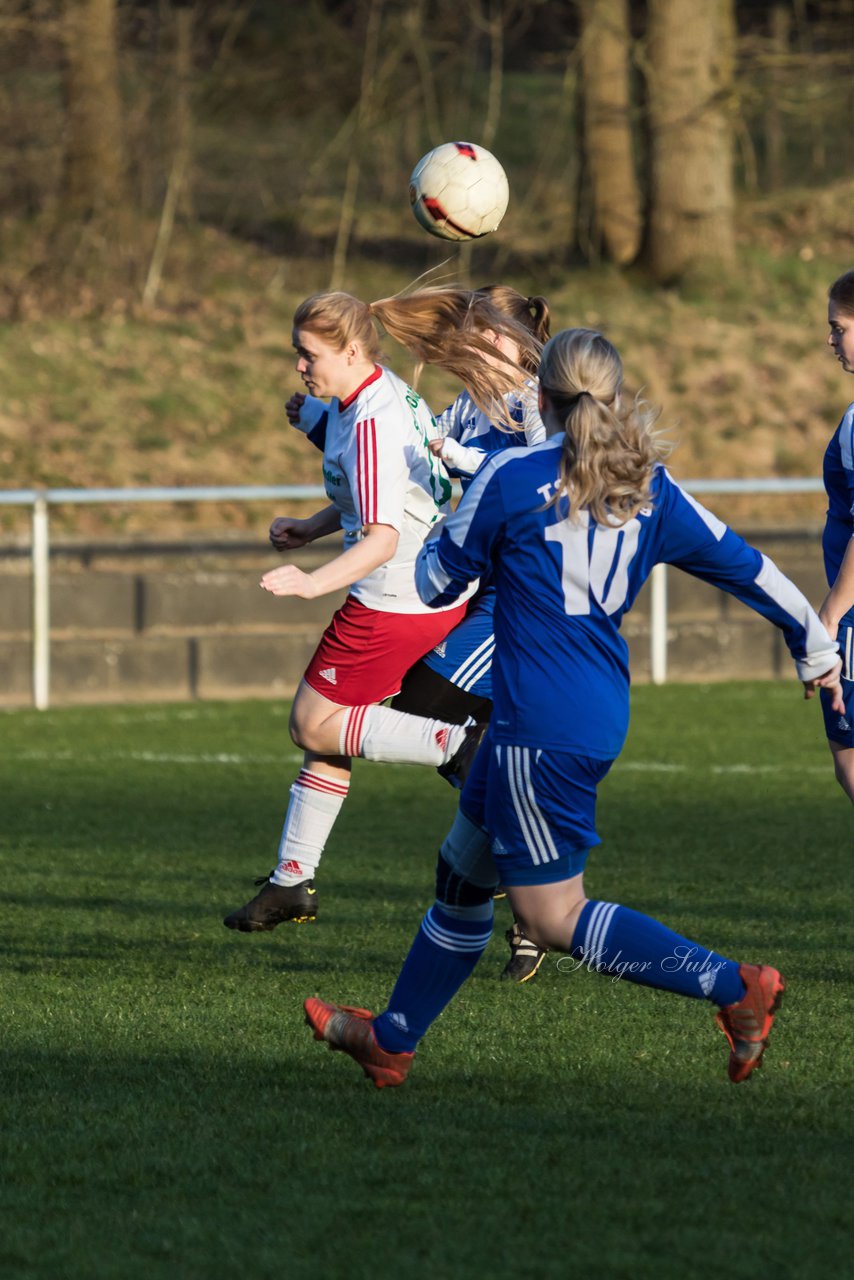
(572, 529)
(454, 681)
(837, 611)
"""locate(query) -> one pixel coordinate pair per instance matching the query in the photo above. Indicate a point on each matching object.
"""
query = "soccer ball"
(459, 191)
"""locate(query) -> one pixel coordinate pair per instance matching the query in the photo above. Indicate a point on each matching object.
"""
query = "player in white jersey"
(837, 610)
(572, 528)
(453, 682)
(386, 490)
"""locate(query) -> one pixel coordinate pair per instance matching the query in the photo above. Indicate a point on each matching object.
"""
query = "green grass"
(165, 1112)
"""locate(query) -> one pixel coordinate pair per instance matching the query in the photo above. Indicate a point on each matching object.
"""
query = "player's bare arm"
(377, 545)
(840, 597)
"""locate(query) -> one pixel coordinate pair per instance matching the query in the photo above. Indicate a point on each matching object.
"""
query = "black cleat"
(525, 956)
(274, 905)
(456, 770)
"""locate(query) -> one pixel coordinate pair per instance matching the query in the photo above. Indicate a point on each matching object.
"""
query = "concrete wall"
(142, 622)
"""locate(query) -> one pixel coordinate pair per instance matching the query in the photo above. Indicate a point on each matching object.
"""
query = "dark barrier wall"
(132, 623)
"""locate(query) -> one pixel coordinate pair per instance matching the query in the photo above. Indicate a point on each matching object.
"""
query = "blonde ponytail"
(610, 450)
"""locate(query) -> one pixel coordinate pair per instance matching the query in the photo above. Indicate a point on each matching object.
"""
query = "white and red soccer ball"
(459, 191)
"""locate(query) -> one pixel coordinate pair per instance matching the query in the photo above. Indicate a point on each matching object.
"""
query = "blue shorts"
(465, 655)
(538, 806)
(840, 727)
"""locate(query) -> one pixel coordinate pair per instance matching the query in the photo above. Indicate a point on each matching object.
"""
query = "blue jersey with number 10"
(561, 673)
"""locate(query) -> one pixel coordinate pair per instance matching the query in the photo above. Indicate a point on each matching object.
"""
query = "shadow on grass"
(286, 1162)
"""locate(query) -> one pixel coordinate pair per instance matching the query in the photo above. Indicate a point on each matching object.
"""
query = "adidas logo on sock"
(442, 736)
(329, 674)
(293, 868)
(707, 981)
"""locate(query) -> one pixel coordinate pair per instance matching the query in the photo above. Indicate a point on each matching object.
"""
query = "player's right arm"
(462, 552)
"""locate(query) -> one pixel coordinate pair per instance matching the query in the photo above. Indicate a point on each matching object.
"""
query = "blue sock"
(625, 944)
(443, 954)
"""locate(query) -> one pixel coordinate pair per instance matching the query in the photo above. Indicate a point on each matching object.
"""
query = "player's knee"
(296, 729)
(454, 890)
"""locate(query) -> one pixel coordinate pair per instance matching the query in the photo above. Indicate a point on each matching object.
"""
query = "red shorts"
(364, 654)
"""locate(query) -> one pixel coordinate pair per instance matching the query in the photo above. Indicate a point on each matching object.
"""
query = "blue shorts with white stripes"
(538, 806)
(465, 655)
(839, 726)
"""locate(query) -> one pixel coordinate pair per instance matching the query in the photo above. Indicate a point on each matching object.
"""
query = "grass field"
(165, 1112)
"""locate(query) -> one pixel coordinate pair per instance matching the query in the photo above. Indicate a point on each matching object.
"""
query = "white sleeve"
(449, 421)
(310, 414)
(532, 423)
(460, 457)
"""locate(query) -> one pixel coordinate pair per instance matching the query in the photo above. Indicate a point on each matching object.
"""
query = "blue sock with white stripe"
(625, 944)
(445, 951)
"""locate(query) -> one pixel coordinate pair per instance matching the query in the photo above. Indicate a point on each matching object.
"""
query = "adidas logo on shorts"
(329, 674)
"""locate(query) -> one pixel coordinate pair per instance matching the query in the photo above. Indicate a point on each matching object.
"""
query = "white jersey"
(377, 469)
(470, 436)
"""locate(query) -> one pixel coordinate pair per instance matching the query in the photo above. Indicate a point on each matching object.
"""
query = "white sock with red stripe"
(378, 733)
(315, 803)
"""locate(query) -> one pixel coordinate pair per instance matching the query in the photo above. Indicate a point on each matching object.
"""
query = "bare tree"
(690, 84)
(616, 198)
(363, 117)
(94, 176)
(178, 186)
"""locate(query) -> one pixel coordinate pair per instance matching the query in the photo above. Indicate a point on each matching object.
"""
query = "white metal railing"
(40, 500)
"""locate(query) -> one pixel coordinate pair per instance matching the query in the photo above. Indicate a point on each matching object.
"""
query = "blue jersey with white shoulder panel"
(560, 670)
(839, 484)
(471, 436)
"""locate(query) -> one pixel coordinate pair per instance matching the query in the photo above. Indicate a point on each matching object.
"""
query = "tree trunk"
(354, 164)
(775, 137)
(691, 51)
(616, 200)
(94, 178)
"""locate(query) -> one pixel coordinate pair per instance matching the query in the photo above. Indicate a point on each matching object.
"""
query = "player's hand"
(288, 580)
(436, 446)
(293, 406)
(289, 534)
(831, 680)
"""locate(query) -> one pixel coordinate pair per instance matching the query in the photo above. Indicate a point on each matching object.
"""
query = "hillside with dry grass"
(192, 392)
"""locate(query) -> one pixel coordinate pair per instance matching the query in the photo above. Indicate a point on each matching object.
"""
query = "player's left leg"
(544, 824)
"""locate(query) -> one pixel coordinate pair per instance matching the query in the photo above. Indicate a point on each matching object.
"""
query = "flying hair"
(447, 326)
(610, 450)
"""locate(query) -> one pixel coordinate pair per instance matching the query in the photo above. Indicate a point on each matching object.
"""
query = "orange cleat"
(747, 1024)
(352, 1031)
